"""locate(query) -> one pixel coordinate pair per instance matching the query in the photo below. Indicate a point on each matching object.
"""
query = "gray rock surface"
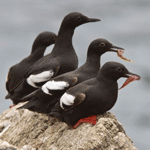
(25, 130)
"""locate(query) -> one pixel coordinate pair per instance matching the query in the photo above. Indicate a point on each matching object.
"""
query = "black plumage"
(91, 97)
(54, 88)
(17, 72)
(62, 59)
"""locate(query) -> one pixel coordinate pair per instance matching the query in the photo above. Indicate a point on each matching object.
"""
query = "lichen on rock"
(22, 129)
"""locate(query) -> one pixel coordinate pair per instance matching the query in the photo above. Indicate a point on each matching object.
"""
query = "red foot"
(90, 119)
(11, 106)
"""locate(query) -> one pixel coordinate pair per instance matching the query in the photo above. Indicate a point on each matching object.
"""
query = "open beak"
(116, 48)
(130, 78)
(127, 75)
(93, 20)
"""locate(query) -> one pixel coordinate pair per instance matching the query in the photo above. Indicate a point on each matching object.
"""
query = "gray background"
(124, 23)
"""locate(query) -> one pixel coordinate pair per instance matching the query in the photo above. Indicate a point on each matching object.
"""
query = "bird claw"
(91, 119)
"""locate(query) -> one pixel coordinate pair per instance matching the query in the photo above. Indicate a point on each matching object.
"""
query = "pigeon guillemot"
(62, 59)
(16, 73)
(58, 85)
(92, 97)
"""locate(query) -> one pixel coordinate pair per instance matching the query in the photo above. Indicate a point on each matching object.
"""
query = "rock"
(22, 129)
(6, 146)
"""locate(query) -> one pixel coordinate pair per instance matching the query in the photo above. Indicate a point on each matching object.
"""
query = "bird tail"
(8, 96)
(29, 96)
(57, 115)
(57, 111)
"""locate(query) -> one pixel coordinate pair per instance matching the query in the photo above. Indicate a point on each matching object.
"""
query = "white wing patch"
(66, 99)
(54, 85)
(41, 77)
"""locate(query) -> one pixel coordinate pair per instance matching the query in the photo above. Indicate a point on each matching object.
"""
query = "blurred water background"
(124, 23)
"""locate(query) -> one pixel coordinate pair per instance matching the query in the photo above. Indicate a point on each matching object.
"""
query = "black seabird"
(54, 88)
(62, 59)
(17, 72)
(91, 97)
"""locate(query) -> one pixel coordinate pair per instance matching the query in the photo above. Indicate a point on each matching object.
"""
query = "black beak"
(116, 48)
(129, 74)
(93, 20)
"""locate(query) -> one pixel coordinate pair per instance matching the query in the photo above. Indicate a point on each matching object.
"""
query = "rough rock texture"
(25, 130)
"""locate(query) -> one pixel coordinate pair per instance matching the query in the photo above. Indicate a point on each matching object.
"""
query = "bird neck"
(93, 60)
(63, 42)
(107, 79)
(38, 52)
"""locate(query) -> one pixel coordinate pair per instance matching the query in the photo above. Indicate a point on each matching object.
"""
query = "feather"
(67, 99)
(54, 85)
(41, 77)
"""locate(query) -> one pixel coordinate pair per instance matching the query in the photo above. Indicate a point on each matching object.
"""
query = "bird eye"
(119, 69)
(53, 37)
(78, 18)
(102, 44)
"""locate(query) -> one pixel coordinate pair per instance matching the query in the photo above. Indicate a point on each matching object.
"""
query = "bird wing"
(68, 101)
(39, 74)
(42, 73)
(52, 87)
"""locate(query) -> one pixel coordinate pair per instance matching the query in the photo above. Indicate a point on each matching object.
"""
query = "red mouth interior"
(129, 80)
